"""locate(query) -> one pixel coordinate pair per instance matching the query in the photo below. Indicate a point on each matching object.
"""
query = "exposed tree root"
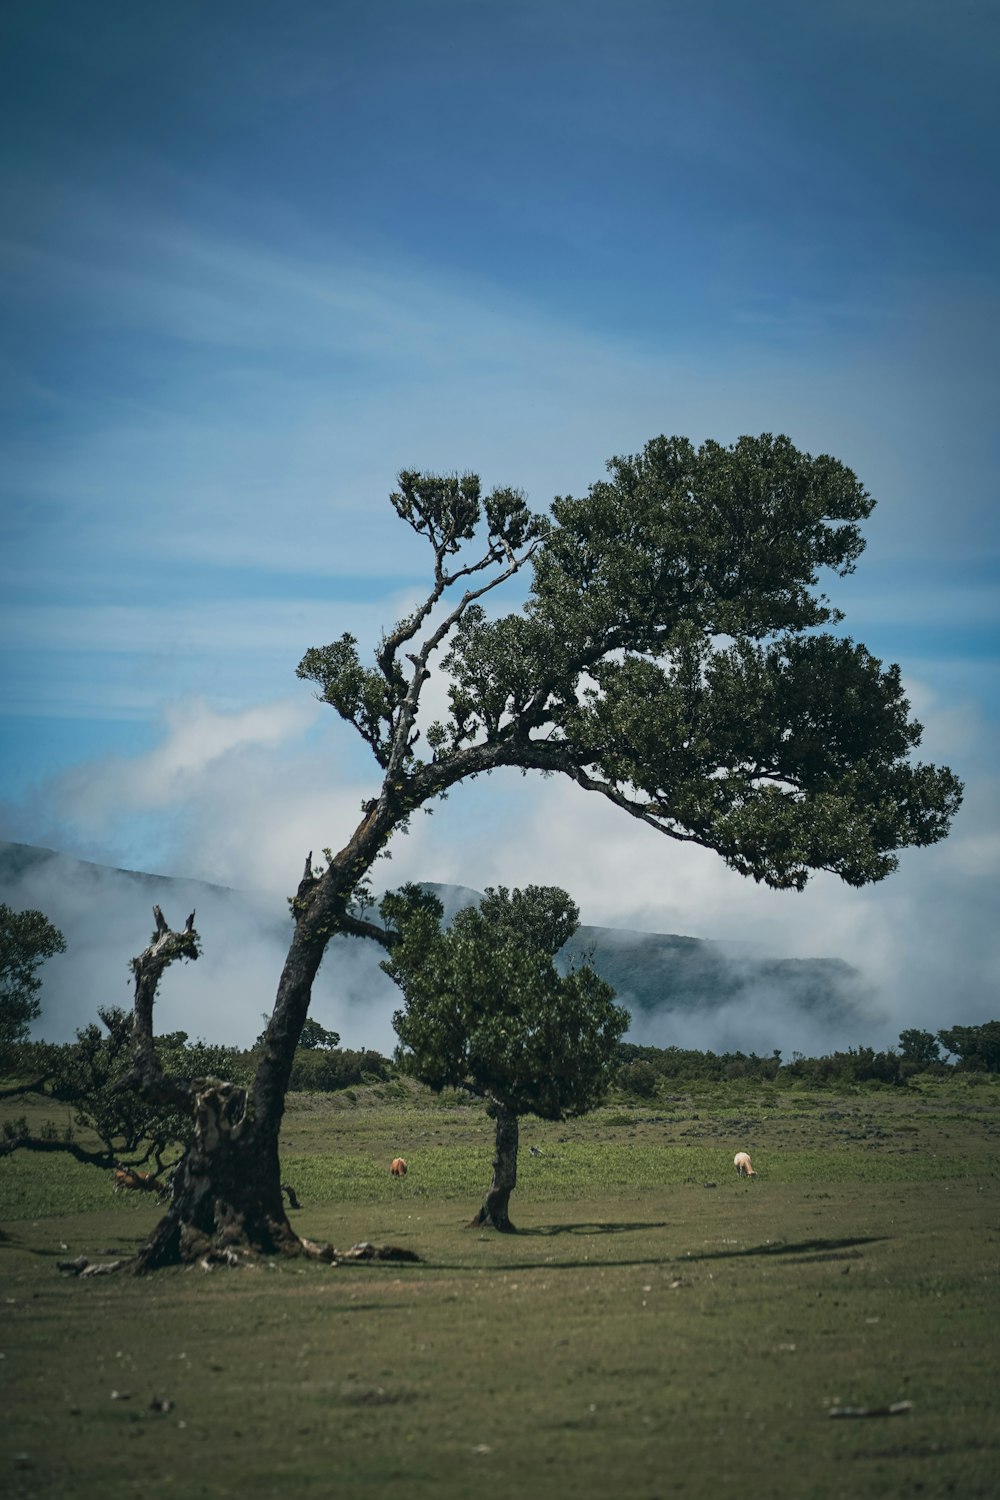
(226, 1258)
(486, 1219)
(84, 1267)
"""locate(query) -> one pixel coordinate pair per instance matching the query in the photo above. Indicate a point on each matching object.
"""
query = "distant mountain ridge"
(18, 860)
(655, 971)
(663, 979)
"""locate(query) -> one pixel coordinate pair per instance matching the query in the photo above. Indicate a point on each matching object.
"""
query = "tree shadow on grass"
(803, 1250)
(18, 1242)
(590, 1227)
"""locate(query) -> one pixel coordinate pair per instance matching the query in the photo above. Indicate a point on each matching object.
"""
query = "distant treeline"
(959, 1049)
(324, 1067)
(315, 1070)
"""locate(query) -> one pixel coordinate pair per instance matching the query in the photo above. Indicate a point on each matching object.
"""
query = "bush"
(689, 1066)
(856, 1065)
(323, 1072)
(639, 1078)
(976, 1047)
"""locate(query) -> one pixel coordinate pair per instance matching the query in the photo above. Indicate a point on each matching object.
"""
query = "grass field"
(656, 1328)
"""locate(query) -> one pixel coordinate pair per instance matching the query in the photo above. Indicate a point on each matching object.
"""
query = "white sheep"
(741, 1162)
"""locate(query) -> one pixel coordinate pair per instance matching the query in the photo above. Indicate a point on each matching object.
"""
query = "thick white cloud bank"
(239, 799)
(106, 918)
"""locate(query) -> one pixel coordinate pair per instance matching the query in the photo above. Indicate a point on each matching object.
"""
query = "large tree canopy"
(671, 658)
(487, 1010)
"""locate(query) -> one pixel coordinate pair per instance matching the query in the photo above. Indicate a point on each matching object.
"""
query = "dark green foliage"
(316, 1037)
(919, 1050)
(400, 906)
(639, 1078)
(89, 1073)
(358, 693)
(783, 757)
(323, 1072)
(856, 1065)
(447, 510)
(976, 1047)
(688, 1065)
(87, 1076)
(670, 657)
(27, 939)
(727, 539)
(487, 1010)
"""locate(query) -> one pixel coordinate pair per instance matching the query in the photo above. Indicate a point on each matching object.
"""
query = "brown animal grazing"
(398, 1168)
(741, 1162)
(130, 1179)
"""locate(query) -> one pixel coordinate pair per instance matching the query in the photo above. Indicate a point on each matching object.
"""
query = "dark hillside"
(106, 916)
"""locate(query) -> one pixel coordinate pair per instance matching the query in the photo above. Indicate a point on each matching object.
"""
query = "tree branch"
(645, 812)
(407, 629)
(37, 1143)
(536, 755)
(358, 927)
(401, 742)
(147, 1075)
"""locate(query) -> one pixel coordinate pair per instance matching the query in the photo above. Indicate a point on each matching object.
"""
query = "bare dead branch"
(147, 1075)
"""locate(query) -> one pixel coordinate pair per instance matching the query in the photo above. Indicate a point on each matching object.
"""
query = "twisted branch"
(147, 1076)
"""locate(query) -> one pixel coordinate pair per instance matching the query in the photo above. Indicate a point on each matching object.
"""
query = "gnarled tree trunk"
(496, 1204)
(226, 1189)
(227, 1197)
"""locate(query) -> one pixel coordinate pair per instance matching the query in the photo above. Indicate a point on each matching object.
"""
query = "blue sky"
(255, 259)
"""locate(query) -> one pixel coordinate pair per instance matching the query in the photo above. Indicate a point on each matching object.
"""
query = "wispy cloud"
(273, 395)
(218, 626)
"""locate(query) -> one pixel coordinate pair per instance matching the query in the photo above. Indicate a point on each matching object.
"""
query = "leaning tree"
(670, 658)
(486, 1010)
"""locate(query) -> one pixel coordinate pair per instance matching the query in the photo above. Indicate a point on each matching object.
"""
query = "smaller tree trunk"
(495, 1209)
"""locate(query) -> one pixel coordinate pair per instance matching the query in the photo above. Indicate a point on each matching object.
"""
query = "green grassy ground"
(645, 1331)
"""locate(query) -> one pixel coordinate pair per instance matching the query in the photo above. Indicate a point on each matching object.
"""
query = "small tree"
(486, 1010)
(976, 1047)
(316, 1037)
(639, 1078)
(27, 939)
(90, 1076)
(918, 1049)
